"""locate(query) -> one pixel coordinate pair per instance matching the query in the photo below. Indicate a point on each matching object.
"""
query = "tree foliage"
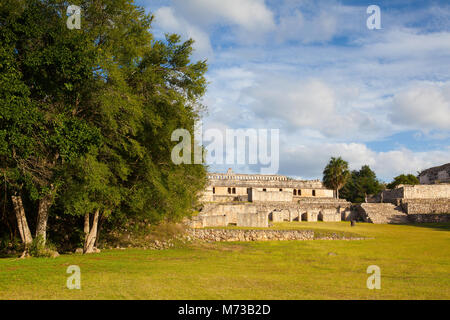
(86, 115)
(361, 184)
(403, 179)
(336, 174)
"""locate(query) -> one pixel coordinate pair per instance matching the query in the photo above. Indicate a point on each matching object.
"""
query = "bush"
(38, 249)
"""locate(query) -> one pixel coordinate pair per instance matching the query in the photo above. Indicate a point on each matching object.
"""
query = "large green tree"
(86, 115)
(336, 174)
(403, 179)
(46, 71)
(361, 184)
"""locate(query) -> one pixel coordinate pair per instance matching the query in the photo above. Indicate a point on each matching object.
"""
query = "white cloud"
(425, 106)
(252, 15)
(167, 20)
(308, 161)
(317, 22)
(399, 43)
(276, 66)
(313, 104)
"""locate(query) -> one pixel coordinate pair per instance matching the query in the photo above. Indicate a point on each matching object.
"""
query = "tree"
(336, 174)
(86, 115)
(45, 73)
(403, 179)
(361, 184)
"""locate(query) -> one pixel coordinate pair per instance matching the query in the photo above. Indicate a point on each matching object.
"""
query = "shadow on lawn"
(436, 226)
(9, 255)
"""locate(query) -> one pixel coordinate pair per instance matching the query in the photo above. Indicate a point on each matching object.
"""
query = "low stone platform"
(214, 235)
(382, 213)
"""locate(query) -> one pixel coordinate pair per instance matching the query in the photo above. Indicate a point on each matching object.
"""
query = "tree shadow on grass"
(9, 255)
(438, 226)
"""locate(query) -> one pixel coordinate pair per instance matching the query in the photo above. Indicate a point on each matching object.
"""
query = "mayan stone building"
(252, 200)
(427, 202)
(435, 175)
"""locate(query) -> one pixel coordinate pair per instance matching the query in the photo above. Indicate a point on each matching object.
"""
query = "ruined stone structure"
(252, 200)
(409, 203)
(213, 235)
(435, 175)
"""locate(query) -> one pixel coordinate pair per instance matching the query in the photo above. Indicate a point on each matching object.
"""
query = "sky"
(313, 70)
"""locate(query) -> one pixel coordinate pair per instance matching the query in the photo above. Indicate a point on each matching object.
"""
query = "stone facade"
(330, 215)
(426, 206)
(269, 197)
(437, 191)
(420, 199)
(201, 221)
(253, 220)
(435, 175)
(409, 203)
(229, 186)
(255, 195)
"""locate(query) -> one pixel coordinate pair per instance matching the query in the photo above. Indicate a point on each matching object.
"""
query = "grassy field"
(414, 262)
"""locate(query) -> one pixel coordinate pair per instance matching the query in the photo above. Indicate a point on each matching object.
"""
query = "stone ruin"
(435, 175)
(248, 200)
(411, 203)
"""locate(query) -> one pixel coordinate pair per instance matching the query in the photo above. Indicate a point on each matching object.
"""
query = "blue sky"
(315, 71)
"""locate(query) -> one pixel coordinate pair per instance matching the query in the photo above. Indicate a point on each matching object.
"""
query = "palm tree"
(336, 174)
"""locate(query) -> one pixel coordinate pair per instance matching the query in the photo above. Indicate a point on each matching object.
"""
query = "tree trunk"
(41, 227)
(86, 226)
(100, 223)
(22, 223)
(90, 239)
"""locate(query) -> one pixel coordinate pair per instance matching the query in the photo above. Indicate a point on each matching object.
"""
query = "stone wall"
(232, 210)
(330, 215)
(282, 215)
(259, 219)
(209, 197)
(391, 195)
(306, 210)
(213, 235)
(250, 235)
(438, 174)
(311, 215)
(269, 196)
(427, 191)
(326, 201)
(201, 221)
(434, 191)
(276, 216)
(429, 218)
(261, 181)
(426, 206)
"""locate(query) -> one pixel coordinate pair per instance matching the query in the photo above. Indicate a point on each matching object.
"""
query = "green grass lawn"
(414, 262)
